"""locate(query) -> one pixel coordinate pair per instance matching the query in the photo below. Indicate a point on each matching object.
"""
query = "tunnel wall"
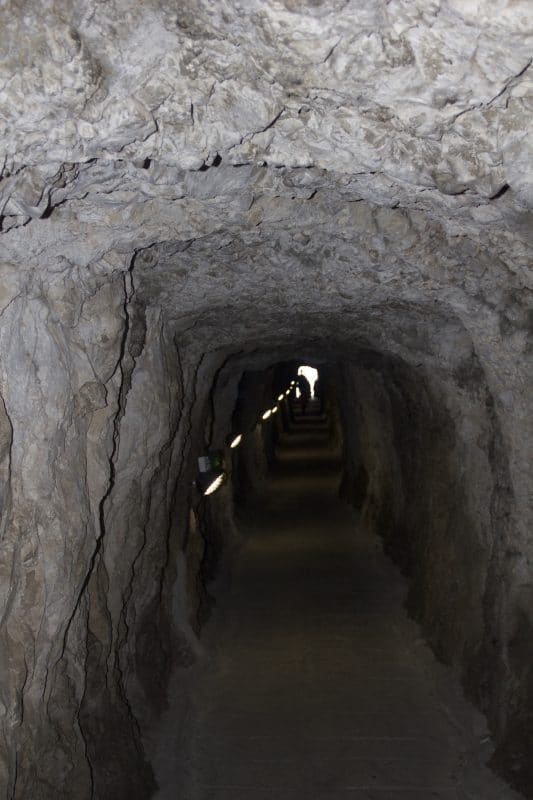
(425, 494)
(96, 530)
(425, 463)
(108, 550)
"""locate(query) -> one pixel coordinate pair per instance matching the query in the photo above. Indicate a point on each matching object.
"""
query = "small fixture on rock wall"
(213, 460)
(275, 410)
(280, 397)
(234, 440)
(267, 413)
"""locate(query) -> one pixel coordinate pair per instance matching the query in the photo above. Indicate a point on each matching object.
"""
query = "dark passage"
(314, 682)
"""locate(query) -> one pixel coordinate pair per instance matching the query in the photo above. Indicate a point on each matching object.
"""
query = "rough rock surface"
(219, 186)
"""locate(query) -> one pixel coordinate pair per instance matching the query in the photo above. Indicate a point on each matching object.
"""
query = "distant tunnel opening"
(416, 453)
(309, 640)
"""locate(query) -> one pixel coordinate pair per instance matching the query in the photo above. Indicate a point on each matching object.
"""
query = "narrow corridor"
(315, 683)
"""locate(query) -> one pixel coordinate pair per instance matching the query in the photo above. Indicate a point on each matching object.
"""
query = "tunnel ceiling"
(268, 164)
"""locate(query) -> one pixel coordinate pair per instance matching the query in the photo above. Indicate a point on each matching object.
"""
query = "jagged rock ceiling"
(276, 168)
(109, 111)
(266, 161)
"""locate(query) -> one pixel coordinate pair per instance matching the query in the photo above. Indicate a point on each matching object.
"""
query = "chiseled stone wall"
(97, 426)
(427, 466)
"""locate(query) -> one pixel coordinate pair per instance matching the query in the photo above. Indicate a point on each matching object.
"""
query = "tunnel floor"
(314, 682)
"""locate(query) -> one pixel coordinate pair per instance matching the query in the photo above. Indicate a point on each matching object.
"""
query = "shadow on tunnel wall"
(426, 466)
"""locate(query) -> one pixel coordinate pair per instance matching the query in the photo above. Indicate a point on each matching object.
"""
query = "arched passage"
(422, 460)
(408, 466)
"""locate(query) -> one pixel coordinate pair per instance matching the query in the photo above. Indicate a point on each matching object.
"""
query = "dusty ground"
(314, 683)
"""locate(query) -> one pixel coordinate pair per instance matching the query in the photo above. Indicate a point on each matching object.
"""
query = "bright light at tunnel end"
(310, 373)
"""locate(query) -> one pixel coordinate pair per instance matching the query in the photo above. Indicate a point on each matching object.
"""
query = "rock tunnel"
(196, 199)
